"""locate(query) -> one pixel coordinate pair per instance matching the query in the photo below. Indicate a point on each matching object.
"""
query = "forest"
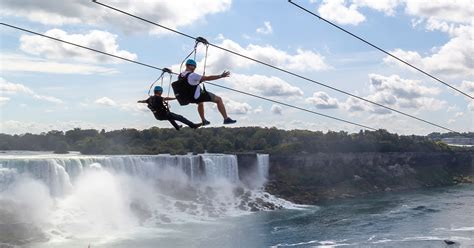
(220, 140)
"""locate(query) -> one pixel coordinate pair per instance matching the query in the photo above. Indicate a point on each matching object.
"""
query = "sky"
(46, 85)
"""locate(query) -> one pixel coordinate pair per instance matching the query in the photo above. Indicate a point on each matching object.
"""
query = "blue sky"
(47, 85)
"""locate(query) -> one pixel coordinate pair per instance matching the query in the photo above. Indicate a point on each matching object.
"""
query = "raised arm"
(215, 77)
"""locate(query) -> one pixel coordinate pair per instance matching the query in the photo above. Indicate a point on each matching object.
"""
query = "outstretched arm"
(142, 101)
(169, 98)
(215, 77)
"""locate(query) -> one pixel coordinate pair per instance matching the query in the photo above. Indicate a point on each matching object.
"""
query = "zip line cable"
(380, 49)
(276, 68)
(165, 70)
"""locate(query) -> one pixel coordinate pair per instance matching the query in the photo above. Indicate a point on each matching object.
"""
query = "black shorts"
(205, 96)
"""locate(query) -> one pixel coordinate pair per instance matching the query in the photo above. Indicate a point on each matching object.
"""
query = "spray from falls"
(82, 196)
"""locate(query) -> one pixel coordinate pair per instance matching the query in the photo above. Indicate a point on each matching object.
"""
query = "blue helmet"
(158, 88)
(191, 62)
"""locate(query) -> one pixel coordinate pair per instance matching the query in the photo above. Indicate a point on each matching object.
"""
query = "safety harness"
(183, 91)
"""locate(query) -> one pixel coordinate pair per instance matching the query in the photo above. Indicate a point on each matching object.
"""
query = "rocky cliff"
(314, 177)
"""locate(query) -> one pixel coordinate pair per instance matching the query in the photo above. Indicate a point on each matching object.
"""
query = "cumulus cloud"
(337, 11)
(467, 86)
(276, 109)
(322, 100)
(177, 13)
(105, 101)
(258, 110)
(9, 88)
(235, 107)
(386, 6)
(302, 60)
(264, 85)
(266, 29)
(398, 87)
(21, 127)
(459, 11)
(453, 59)
(396, 92)
(14, 62)
(100, 40)
(347, 11)
(131, 107)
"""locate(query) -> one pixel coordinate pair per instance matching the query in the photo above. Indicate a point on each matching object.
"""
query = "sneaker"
(205, 122)
(228, 120)
(196, 125)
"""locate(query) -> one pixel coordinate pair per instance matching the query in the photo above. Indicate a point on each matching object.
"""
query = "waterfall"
(263, 167)
(58, 196)
(60, 172)
(221, 166)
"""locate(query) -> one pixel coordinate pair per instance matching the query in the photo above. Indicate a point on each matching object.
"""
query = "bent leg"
(220, 106)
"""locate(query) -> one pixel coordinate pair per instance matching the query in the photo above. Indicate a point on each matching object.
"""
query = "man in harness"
(158, 105)
(189, 91)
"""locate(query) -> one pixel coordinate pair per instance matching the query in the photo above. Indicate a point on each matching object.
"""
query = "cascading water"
(61, 197)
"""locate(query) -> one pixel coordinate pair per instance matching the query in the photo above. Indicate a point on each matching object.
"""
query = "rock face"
(311, 178)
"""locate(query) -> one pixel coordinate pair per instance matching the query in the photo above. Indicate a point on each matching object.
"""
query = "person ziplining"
(189, 91)
(160, 109)
(187, 88)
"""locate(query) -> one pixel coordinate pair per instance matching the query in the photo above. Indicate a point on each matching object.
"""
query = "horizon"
(454, 134)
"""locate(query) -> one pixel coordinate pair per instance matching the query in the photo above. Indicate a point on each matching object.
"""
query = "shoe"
(179, 127)
(228, 120)
(205, 122)
(196, 125)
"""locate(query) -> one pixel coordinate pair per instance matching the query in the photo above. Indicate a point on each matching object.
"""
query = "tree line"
(219, 140)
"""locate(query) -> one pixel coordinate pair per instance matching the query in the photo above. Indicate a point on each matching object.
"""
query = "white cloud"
(453, 59)
(386, 6)
(276, 109)
(21, 127)
(127, 106)
(302, 60)
(266, 29)
(400, 88)
(14, 88)
(467, 86)
(458, 114)
(258, 110)
(396, 92)
(452, 108)
(405, 93)
(96, 39)
(322, 100)
(459, 11)
(177, 13)
(234, 107)
(267, 86)
(106, 101)
(337, 11)
(13, 62)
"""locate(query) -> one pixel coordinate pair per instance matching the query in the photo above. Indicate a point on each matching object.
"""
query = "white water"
(57, 198)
